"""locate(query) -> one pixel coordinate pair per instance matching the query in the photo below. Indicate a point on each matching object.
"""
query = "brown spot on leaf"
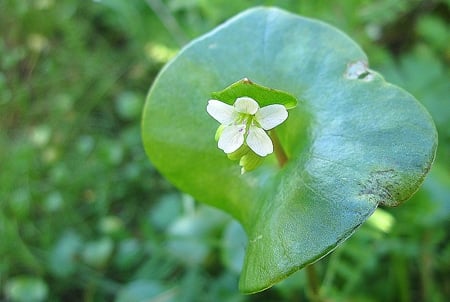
(382, 187)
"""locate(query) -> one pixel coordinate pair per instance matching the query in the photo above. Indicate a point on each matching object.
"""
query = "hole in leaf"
(359, 71)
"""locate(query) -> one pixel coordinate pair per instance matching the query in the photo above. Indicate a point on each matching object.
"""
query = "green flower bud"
(239, 153)
(219, 132)
(250, 161)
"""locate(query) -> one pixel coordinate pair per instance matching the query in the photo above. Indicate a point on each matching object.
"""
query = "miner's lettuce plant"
(323, 140)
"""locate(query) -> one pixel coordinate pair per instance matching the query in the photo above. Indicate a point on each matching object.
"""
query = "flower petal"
(259, 141)
(223, 113)
(271, 116)
(232, 138)
(246, 105)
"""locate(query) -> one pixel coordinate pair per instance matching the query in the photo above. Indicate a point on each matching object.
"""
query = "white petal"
(271, 116)
(223, 113)
(246, 105)
(232, 138)
(259, 141)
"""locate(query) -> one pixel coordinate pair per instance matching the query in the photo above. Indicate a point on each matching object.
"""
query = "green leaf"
(141, 290)
(188, 236)
(62, 260)
(26, 288)
(233, 243)
(354, 142)
(97, 253)
(264, 95)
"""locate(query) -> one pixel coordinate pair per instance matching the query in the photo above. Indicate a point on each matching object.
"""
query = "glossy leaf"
(264, 95)
(353, 142)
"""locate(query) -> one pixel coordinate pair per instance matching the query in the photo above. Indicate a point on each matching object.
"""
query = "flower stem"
(278, 149)
(313, 282)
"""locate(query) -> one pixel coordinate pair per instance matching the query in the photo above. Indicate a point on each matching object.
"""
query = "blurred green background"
(85, 217)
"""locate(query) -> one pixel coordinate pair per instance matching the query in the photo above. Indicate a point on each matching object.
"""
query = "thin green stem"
(278, 149)
(313, 281)
(168, 20)
(426, 266)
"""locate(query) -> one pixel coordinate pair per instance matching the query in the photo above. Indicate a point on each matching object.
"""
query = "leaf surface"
(354, 141)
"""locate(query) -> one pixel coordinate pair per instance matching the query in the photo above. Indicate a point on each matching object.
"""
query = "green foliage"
(26, 289)
(370, 143)
(73, 78)
(264, 95)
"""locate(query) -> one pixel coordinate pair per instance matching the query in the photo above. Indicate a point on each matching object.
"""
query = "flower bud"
(239, 153)
(219, 132)
(250, 161)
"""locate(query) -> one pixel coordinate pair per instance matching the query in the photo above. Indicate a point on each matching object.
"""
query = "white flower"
(246, 122)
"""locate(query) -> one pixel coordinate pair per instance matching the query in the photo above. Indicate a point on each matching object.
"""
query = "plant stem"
(313, 282)
(426, 265)
(278, 149)
(169, 21)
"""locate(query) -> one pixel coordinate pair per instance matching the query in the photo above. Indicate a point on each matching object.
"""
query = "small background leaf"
(264, 95)
(26, 289)
(140, 291)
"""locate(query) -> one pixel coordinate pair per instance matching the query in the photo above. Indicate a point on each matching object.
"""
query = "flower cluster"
(242, 133)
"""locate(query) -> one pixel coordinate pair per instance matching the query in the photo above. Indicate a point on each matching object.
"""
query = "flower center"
(246, 120)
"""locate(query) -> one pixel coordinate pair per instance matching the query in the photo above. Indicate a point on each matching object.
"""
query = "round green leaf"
(26, 288)
(97, 253)
(354, 141)
(141, 290)
(63, 257)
